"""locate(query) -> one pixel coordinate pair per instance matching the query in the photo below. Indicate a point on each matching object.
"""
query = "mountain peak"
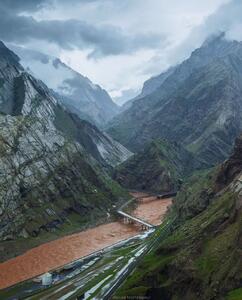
(191, 95)
(7, 54)
(214, 38)
(75, 91)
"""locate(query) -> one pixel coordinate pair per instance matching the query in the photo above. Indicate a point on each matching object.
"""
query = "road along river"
(60, 252)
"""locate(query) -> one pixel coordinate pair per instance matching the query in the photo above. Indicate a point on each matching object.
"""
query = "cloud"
(117, 43)
(121, 97)
(227, 18)
(69, 34)
(23, 5)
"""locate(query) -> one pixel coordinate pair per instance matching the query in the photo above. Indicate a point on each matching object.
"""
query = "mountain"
(160, 167)
(74, 90)
(52, 164)
(100, 145)
(201, 258)
(149, 87)
(199, 105)
(155, 82)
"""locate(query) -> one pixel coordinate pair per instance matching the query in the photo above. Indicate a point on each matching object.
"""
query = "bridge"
(128, 219)
(156, 197)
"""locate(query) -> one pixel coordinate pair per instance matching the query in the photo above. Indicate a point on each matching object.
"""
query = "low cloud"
(69, 34)
(117, 44)
(227, 19)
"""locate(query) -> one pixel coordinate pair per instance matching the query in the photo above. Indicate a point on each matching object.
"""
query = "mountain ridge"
(174, 109)
(77, 92)
(49, 178)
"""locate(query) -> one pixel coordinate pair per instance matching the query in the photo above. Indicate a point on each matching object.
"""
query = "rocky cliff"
(199, 105)
(48, 174)
(75, 91)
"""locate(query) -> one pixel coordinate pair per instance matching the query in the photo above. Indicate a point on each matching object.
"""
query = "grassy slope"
(200, 260)
(160, 167)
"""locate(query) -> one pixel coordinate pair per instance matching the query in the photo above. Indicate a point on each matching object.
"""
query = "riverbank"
(57, 253)
(62, 251)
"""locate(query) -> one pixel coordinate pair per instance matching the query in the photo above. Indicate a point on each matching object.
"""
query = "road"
(96, 276)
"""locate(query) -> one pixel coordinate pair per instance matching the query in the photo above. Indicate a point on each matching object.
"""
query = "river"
(57, 253)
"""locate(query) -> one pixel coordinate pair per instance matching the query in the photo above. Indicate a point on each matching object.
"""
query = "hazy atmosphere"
(121, 149)
(117, 44)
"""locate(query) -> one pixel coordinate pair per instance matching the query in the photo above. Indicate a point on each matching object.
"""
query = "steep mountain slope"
(77, 92)
(198, 105)
(160, 167)
(155, 82)
(100, 145)
(149, 87)
(47, 176)
(201, 259)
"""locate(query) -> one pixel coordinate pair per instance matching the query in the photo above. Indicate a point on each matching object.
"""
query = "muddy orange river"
(151, 209)
(57, 253)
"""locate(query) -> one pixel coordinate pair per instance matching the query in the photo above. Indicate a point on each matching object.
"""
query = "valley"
(55, 254)
(100, 201)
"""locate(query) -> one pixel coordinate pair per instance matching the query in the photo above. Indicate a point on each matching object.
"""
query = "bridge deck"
(135, 219)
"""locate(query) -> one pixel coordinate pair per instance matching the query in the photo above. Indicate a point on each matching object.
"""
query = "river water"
(57, 253)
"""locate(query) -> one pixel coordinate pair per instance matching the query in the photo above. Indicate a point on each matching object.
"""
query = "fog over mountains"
(198, 104)
(74, 90)
(168, 162)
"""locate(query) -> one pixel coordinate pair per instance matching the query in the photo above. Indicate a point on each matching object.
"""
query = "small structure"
(46, 278)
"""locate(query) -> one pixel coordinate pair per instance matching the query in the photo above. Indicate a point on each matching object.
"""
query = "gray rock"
(50, 160)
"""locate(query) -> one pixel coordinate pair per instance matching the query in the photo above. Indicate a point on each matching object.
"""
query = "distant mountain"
(149, 87)
(155, 82)
(160, 167)
(77, 92)
(199, 105)
(52, 164)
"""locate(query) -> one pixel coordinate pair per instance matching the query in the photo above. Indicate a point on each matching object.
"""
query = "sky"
(118, 44)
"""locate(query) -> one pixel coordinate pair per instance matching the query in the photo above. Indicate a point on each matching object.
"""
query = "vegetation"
(199, 259)
(189, 105)
(160, 167)
(235, 295)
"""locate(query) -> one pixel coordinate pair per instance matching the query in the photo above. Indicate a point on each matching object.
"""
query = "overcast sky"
(117, 43)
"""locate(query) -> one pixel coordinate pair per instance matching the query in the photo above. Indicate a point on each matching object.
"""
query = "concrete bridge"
(128, 219)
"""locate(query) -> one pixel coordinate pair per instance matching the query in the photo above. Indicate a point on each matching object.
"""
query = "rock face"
(106, 150)
(74, 90)
(201, 258)
(149, 87)
(199, 105)
(160, 167)
(155, 82)
(48, 174)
